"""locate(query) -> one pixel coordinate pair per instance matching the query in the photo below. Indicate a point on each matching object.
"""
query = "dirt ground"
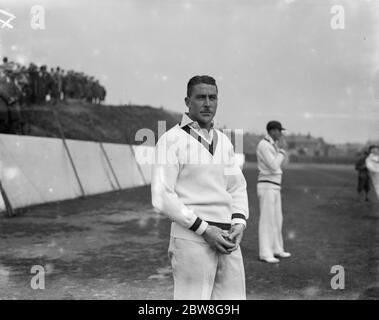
(113, 246)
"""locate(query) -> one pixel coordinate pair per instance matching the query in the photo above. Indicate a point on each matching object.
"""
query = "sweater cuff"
(199, 226)
(238, 218)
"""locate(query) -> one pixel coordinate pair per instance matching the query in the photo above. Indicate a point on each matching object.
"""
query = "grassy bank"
(83, 121)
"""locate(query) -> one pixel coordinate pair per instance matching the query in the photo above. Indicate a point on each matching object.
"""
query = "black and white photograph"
(205, 150)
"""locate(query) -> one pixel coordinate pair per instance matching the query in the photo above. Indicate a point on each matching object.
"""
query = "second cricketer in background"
(372, 164)
(270, 157)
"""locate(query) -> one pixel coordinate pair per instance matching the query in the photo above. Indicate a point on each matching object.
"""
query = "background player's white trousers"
(270, 222)
(372, 164)
(201, 273)
(375, 182)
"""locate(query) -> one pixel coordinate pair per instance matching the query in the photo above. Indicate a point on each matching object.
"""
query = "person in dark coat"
(363, 186)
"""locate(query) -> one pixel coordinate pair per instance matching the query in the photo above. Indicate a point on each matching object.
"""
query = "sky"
(272, 59)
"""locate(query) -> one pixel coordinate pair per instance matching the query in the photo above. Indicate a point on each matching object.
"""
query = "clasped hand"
(224, 241)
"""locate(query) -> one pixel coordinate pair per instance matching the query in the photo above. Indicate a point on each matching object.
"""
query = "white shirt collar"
(269, 139)
(186, 120)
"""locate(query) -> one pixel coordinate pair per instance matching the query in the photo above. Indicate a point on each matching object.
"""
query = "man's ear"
(186, 101)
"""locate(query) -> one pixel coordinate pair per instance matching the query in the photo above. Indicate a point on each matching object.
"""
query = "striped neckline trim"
(211, 148)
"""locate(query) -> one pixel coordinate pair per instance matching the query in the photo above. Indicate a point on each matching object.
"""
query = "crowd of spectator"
(36, 84)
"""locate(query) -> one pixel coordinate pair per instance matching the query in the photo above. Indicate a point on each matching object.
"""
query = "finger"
(233, 231)
(225, 243)
(233, 249)
(225, 233)
(221, 249)
(233, 234)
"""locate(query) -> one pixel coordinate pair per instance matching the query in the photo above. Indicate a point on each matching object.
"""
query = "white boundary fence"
(36, 170)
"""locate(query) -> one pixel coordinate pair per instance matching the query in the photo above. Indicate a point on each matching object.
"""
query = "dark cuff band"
(238, 216)
(196, 224)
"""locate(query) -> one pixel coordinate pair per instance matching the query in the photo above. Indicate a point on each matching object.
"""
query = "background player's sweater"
(372, 164)
(270, 158)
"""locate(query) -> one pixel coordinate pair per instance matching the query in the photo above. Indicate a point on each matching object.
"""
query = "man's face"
(202, 103)
(275, 134)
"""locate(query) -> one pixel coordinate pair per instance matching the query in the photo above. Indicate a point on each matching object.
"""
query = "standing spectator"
(33, 82)
(42, 85)
(59, 82)
(363, 186)
(103, 94)
(53, 86)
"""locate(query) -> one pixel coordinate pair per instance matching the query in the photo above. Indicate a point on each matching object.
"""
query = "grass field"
(113, 246)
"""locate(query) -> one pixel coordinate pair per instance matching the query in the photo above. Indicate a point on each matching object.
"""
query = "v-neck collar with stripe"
(192, 128)
(187, 121)
(269, 139)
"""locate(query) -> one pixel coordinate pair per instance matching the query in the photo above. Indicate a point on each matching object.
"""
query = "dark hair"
(197, 80)
(372, 147)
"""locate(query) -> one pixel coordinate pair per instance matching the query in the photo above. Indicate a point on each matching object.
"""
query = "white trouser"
(375, 182)
(270, 222)
(201, 273)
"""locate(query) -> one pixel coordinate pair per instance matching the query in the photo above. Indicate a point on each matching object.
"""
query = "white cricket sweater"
(193, 187)
(270, 158)
(372, 164)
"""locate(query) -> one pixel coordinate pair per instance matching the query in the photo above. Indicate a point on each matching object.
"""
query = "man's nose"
(207, 102)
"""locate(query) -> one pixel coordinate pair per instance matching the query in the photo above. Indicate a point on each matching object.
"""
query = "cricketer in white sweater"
(372, 164)
(270, 158)
(196, 181)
